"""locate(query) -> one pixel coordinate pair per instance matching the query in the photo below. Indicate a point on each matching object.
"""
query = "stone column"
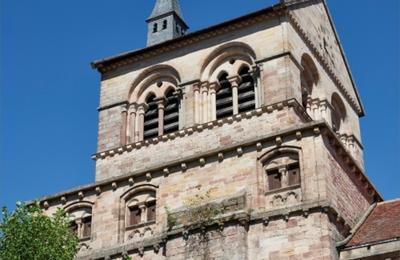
(235, 96)
(143, 215)
(161, 110)
(213, 101)
(132, 123)
(204, 102)
(197, 108)
(258, 90)
(79, 224)
(140, 123)
(124, 119)
(284, 176)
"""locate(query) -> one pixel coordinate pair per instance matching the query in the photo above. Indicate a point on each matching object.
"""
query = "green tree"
(28, 234)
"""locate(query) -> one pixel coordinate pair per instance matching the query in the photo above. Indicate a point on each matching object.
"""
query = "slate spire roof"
(163, 7)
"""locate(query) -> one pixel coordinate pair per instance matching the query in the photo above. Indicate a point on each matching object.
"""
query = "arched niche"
(309, 77)
(339, 113)
(157, 80)
(229, 58)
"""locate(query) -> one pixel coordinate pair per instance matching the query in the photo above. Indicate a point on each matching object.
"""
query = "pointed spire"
(165, 22)
(164, 7)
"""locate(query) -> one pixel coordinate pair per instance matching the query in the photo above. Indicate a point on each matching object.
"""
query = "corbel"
(98, 190)
(166, 172)
(259, 147)
(131, 181)
(202, 162)
(184, 167)
(114, 186)
(80, 195)
(148, 176)
(63, 200)
(220, 157)
(239, 151)
(156, 248)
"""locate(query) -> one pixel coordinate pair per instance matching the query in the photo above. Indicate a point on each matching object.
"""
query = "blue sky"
(49, 93)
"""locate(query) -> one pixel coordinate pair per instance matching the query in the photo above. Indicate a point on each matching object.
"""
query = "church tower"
(248, 146)
(165, 22)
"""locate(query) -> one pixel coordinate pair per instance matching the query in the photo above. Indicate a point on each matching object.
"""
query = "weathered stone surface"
(274, 182)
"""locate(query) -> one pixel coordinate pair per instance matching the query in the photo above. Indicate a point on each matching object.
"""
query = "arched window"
(224, 105)
(141, 208)
(155, 27)
(309, 78)
(282, 171)
(171, 114)
(81, 221)
(338, 114)
(165, 23)
(246, 93)
(151, 118)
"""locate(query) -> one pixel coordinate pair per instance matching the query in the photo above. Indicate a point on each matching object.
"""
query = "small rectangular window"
(151, 211)
(274, 179)
(87, 227)
(294, 174)
(135, 216)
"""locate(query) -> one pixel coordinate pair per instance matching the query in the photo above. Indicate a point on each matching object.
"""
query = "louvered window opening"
(294, 174)
(224, 104)
(151, 119)
(246, 93)
(171, 114)
(151, 211)
(87, 227)
(135, 216)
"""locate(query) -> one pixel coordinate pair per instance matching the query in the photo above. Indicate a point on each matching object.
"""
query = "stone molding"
(240, 217)
(328, 69)
(112, 63)
(200, 127)
(317, 128)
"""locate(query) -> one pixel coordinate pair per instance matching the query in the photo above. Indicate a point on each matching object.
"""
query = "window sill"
(293, 187)
(140, 225)
(84, 239)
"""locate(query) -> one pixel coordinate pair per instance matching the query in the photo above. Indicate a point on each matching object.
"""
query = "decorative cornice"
(241, 217)
(324, 63)
(181, 165)
(124, 59)
(200, 127)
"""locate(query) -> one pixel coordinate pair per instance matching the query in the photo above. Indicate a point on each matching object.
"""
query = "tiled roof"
(382, 224)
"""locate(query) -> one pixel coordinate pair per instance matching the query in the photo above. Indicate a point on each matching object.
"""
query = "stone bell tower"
(165, 22)
(248, 146)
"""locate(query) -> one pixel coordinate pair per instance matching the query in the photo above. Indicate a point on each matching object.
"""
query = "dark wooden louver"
(246, 93)
(224, 98)
(171, 114)
(151, 119)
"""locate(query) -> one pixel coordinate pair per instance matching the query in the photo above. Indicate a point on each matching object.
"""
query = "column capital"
(197, 86)
(213, 85)
(235, 80)
(160, 102)
(204, 86)
(124, 108)
(133, 107)
(141, 108)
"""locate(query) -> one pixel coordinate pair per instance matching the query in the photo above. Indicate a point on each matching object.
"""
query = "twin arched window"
(243, 97)
(81, 222)
(162, 115)
(224, 97)
(246, 93)
(141, 208)
(282, 170)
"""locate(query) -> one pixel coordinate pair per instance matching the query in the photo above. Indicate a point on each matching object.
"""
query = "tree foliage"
(28, 234)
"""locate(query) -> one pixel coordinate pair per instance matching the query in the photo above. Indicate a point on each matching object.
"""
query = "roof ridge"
(389, 201)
